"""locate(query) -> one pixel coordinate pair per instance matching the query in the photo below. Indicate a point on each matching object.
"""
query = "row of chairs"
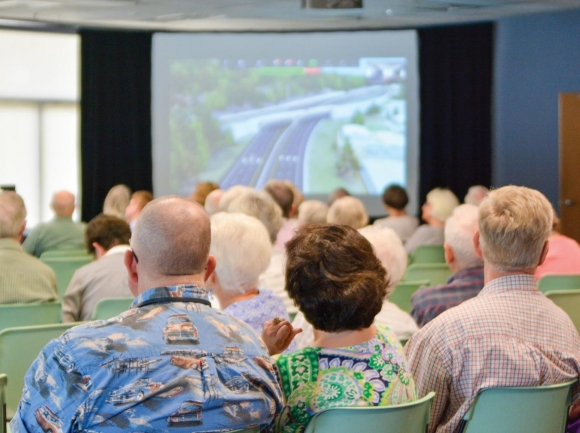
(64, 262)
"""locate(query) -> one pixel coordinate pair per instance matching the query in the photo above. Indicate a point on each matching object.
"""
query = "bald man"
(61, 232)
(169, 363)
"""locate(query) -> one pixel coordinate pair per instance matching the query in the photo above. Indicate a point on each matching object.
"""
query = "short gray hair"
(212, 201)
(390, 251)
(12, 214)
(514, 225)
(349, 211)
(260, 205)
(172, 237)
(312, 212)
(442, 202)
(476, 194)
(242, 248)
(460, 229)
(232, 194)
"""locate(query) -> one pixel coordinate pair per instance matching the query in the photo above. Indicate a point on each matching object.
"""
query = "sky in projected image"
(321, 124)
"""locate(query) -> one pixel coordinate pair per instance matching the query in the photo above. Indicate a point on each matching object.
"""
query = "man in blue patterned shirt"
(171, 363)
(467, 279)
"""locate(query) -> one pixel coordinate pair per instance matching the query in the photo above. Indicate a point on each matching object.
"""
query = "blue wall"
(536, 57)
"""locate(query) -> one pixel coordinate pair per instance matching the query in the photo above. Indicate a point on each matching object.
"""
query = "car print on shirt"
(190, 412)
(64, 359)
(121, 365)
(150, 314)
(47, 420)
(134, 392)
(180, 329)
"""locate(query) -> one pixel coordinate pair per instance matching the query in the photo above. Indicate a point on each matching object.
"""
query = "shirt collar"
(519, 282)
(117, 249)
(475, 272)
(10, 244)
(190, 291)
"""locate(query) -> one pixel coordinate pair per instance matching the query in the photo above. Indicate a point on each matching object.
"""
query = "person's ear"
(449, 255)
(131, 265)
(209, 267)
(21, 232)
(477, 245)
(100, 251)
(544, 253)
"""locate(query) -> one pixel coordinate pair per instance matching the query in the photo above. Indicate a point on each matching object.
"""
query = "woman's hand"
(277, 335)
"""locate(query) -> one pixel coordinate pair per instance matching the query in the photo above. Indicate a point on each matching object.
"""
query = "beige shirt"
(103, 278)
(24, 278)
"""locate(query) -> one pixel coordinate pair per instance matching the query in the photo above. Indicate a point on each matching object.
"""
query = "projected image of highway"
(320, 127)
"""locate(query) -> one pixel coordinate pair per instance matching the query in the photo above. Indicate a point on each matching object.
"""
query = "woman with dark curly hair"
(338, 283)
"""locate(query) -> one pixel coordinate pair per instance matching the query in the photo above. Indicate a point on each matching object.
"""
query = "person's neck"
(146, 283)
(343, 338)
(226, 299)
(490, 273)
(396, 212)
(434, 222)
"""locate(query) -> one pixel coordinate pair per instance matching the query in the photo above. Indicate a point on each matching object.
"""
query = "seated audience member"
(339, 285)
(212, 201)
(349, 211)
(298, 196)
(61, 232)
(260, 205)
(390, 251)
(138, 201)
(437, 208)
(23, 278)
(283, 194)
(475, 195)
(107, 238)
(467, 279)
(395, 200)
(202, 190)
(312, 212)
(336, 194)
(508, 335)
(563, 254)
(169, 356)
(242, 249)
(117, 200)
(232, 194)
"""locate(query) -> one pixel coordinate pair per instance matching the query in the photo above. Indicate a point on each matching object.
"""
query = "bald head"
(172, 237)
(63, 203)
(12, 215)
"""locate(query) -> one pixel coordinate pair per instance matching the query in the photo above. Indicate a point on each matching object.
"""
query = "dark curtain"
(115, 114)
(456, 71)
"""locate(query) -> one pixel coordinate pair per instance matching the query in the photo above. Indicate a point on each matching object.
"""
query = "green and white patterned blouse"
(373, 373)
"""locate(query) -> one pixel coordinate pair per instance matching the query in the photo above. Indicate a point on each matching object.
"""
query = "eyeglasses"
(135, 255)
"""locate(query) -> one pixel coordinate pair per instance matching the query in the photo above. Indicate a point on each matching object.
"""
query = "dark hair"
(396, 197)
(108, 231)
(334, 277)
(282, 194)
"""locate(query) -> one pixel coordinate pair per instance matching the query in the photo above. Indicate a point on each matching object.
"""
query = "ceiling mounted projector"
(332, 4)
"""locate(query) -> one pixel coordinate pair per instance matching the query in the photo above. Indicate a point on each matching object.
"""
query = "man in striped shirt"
(508, 335)
(467, 279)
(23, 278)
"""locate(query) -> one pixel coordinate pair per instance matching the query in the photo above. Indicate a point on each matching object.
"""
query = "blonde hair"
(349, 211)
(514, 225)
(442, 202)
(117, 200)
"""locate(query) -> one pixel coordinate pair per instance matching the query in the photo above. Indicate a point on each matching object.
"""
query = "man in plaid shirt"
(467, 279)
(508, 335)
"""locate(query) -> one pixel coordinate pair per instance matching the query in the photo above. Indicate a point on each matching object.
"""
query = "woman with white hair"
(312, 212)
(390, 251)
(349, 211)
(437, 208)
(242, 248)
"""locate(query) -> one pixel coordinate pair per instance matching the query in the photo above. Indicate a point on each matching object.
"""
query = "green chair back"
(65, 252)
(12, 315)
(547, 283)
(428, 254)
(3, 384)
(408, 418)
(436, 273)
(19, 347)
(246, 430)
(111, 307)
(538, 409)
(569, 301)
(64, 267)
(401, 296)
